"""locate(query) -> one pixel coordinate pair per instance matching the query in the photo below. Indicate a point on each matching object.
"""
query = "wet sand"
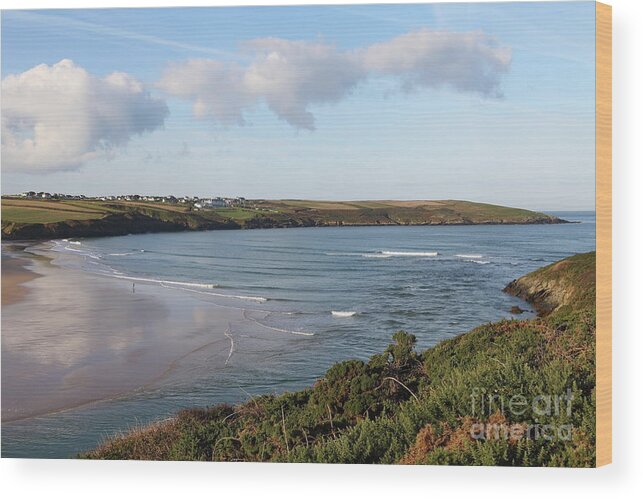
(71, 338)
(14, 275)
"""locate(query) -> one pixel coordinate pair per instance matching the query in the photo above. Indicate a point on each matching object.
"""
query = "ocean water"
(297, 301)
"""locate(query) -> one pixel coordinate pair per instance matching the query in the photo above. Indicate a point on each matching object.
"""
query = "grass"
(563, 285)
(179, 208)
(236, 214)
(35, 215)
(404, 212)
(49, 205)
(418, 408)
(47, 211)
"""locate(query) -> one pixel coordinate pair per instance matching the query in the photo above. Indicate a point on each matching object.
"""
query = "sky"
(483, 102)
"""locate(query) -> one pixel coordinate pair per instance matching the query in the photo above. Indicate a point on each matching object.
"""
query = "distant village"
(193, 201)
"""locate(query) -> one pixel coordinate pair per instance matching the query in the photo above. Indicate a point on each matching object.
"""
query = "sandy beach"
(71, 337)
(14, 275)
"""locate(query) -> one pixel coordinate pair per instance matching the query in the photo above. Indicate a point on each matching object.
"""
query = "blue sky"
(449, 137)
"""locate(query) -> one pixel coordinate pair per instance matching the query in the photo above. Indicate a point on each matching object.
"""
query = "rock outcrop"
(564, 283)
(118, 224)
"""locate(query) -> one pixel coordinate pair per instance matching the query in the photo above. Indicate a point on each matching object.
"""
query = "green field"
(35, 215)
(238, 214)
(402, 212)
(36, 211)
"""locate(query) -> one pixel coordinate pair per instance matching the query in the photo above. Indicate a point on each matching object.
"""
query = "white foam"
(259, 299)
(299, 333)
(74, 250)
(410, 253)
(229, 336)
(231, 307)
(469, 256)
(376, 255)
(183, 283)
(341, 313)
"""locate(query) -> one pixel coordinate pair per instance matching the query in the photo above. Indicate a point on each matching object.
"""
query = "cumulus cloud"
(289, 76)
(467, 62)
(58, 117)
(215, 87)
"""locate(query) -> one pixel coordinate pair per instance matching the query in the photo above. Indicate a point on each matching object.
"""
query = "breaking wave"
(410, 253)
(384, 254)
(162, 281)
(280, 330)
(127, 253)
(184, 285)
(341, 313)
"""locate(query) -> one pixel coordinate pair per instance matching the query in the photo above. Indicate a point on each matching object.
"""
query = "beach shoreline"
(15, 274)
(72, 337)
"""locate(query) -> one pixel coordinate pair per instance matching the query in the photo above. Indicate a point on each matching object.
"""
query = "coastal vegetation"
(49, 218)
(561, 285)
(514, 393)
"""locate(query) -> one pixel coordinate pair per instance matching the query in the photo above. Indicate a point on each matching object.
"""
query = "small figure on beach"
(133, 287)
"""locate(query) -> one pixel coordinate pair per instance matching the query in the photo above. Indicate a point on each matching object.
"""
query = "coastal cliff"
(451, 404)
(568, 283)
(50, 219)
(117, 224)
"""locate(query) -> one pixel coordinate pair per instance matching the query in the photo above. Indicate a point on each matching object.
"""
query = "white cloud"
(216, 88)
(58, 117)
(467, 62)
(289, 76)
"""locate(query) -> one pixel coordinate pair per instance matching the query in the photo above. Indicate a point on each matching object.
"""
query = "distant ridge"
(52, 219)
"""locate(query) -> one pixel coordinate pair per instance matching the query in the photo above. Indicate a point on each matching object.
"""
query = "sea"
(303, 299)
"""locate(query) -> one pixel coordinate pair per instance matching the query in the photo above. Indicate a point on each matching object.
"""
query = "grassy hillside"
(403, 212)
(50, 219)
(567, 284)
(517, 392)
(47, 219)
(44, 211)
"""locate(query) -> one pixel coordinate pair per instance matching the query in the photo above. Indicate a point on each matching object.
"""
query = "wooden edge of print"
(603, 234)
